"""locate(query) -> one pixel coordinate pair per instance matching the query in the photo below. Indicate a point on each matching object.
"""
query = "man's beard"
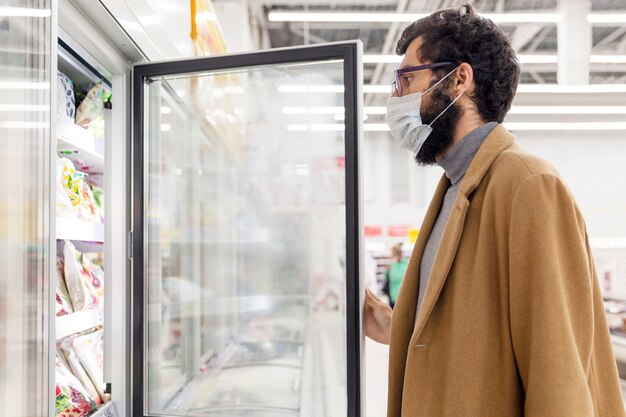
(442, 135)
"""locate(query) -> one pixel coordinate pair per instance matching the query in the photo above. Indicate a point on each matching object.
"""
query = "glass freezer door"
(246, 234)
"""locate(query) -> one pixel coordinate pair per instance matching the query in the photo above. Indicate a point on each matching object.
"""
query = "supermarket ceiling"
(535, 40)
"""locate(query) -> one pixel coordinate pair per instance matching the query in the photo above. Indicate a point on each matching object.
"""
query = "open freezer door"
(246, 234)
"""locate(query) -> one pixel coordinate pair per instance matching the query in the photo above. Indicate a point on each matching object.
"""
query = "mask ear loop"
(444, 110)
(441, 80)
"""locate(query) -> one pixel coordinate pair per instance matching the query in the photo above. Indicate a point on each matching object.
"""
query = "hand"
(376, 318)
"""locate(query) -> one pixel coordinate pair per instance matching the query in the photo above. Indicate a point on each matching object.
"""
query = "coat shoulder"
(515, 161)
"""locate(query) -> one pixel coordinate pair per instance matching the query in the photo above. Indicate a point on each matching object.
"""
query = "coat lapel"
(498, 140)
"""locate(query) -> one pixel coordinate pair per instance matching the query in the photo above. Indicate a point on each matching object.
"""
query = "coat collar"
(404, 328)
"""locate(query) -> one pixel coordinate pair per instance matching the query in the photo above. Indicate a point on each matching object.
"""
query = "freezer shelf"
(80, 321)
(73, 229)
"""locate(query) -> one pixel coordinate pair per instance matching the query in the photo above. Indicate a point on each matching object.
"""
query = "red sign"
(373, 230)
(398, 230)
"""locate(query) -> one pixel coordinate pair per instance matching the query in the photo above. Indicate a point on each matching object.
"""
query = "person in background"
(500, 311)
(394, 274)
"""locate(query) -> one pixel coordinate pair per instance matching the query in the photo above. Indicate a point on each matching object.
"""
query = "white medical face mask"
(405, 121)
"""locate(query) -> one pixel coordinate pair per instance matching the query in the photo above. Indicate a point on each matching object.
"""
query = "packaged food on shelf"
(89, 349)
(78, 369)
(69, 188)
(72, 399)
(92, 107)
(84, 286)
(66, 105)
(89, 211)
(63, 304)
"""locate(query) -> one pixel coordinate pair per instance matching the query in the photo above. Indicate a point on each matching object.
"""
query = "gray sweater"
(455, 163)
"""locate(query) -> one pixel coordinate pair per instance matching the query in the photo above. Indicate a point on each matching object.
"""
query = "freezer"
(246, 296)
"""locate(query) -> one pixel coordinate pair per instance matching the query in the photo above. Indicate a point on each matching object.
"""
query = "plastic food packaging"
(66, 106)
(72, 399)
(71, 180)
(78, 369)
(92, 107)
(63, 304)
(88, 209)
(89, 350)
(85, 292)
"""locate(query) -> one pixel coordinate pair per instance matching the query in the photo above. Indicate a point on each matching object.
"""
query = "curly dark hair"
(463, 36)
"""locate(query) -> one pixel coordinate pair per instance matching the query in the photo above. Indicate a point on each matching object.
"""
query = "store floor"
(376, 366)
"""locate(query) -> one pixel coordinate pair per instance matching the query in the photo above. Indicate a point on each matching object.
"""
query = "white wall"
(593, 164)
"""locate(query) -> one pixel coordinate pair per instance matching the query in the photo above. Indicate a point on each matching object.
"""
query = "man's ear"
(464, 78)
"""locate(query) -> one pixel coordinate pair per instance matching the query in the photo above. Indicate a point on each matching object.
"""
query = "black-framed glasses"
(396, 85)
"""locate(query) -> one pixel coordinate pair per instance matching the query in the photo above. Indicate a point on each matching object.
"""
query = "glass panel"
(25, 38)
(246, 248)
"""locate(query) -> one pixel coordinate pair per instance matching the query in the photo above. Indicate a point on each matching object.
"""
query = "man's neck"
(466, 124)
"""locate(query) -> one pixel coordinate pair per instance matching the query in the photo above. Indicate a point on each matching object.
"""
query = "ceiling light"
(576, 89)
(566, 126)
(568, 110)
(166, 110)
(165, 128)
(523, 59)
(608, 59)
(531, 126)
(24, 12)
(287, 16)
(607, 18)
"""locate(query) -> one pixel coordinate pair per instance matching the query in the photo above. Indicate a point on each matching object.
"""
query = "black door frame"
(350, 53)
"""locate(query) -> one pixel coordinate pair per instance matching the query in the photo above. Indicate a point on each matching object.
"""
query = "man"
(500, 312)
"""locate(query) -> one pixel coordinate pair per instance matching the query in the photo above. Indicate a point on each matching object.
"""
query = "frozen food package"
(66, 105)
(80, 285)
(71, 180)
(78, 369)
(89, 349)
(89, 210)
(72, 399)
(91, 109)
(63, 303)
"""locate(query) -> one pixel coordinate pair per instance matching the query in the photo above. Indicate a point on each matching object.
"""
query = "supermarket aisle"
(376, 365)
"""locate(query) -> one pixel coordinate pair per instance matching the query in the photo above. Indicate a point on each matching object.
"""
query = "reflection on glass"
(246, 243)
(24, 208)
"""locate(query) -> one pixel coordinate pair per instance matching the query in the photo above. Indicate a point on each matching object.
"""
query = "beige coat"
(512, 322)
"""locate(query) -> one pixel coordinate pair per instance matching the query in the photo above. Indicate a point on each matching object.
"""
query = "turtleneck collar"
(458, 159)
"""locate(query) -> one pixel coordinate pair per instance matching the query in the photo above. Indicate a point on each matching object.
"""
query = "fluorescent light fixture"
(375, 110)
(328, 127)
(607, 18)
(595, 126)
(607, 59)
(24, 107)
(575, 89)
(165, 127)
(568, 110)
(166, 110)
(531, 126)
(310, 88)
(23, 12)
(23, 85)
(523, 58)
(379, 88)
(180, 93)
(369, 17)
